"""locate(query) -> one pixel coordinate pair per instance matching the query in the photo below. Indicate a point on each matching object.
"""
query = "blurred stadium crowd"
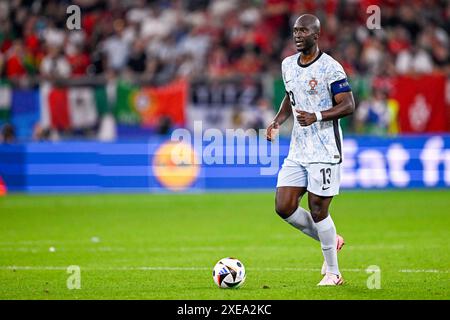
(158, 41)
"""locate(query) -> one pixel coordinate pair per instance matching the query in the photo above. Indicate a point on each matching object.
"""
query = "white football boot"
(331, 280)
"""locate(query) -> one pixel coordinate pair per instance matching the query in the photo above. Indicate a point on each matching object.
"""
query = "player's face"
(304, 37)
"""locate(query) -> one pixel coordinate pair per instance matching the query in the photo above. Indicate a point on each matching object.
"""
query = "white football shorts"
(322, 179)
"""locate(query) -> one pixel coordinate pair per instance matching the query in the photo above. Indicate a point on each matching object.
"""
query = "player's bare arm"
(344, 107)
(283, 114)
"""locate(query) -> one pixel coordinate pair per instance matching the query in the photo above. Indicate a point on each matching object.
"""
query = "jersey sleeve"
(337, 79)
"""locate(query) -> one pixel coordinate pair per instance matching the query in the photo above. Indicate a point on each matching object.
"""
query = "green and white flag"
(73, 107)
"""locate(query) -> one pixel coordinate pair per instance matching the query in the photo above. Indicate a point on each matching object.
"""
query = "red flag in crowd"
(422, 104)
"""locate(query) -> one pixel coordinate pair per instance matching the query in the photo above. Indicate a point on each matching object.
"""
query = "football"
(229, 273)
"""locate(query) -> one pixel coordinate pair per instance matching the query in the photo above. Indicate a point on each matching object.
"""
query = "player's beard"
(308, 45)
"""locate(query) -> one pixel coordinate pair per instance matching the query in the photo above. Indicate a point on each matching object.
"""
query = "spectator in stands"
(237, 117)
(55, 65)
(41, 134)
(248, 64)
(414, 60)
(53, 36)
(373, 55)
(218, 62)
(8, 134)
(262, 115)
(15, 64)
(398, 40)
(435, 41)
(197, 43)
(186, 66)
(441, 58)
(116, 47)
(276, 16)
(78, 59)
(373, 116)
(138, 58)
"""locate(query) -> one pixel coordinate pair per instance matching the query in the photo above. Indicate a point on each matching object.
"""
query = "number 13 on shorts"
(324, 179)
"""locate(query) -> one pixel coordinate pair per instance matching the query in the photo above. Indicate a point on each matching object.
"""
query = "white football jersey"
(311, 88)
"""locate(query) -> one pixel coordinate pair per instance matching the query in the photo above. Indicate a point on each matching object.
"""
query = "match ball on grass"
(229, 273)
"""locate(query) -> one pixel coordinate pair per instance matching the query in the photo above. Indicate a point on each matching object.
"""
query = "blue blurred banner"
(25, 113)
(369, 163)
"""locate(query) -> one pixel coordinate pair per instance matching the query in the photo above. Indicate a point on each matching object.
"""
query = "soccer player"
(318, 95)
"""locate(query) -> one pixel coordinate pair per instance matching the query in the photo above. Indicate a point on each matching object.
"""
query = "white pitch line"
(424, 271)
(38, 246)
(168, 268)
(29, 247)
(13, 268)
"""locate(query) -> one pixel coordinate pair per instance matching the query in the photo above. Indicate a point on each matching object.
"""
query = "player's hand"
(305, 118)
(272, 130)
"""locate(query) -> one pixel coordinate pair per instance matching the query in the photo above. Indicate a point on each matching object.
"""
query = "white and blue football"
(229, 273)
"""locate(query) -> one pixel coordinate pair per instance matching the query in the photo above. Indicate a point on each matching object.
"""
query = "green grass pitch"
(165, 246)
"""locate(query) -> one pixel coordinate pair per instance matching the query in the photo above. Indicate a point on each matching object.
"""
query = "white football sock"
(302, 220)
(327, 236)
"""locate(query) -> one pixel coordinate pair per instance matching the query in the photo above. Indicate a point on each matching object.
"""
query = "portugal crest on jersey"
(312, 85)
